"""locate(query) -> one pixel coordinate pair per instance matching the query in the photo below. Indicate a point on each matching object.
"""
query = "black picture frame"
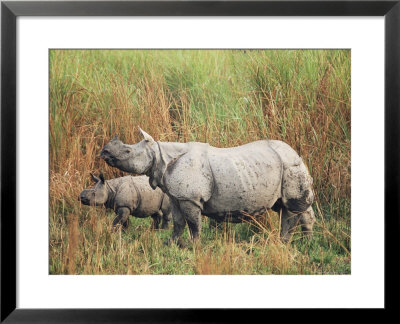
(11, 10)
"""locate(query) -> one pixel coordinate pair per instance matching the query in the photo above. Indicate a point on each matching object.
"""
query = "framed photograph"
(172, 160)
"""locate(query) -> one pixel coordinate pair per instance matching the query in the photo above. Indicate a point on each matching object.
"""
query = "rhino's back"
(246, 177)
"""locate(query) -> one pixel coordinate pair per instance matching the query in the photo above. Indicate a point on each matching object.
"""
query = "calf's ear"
(101, 177)
(94, 178)
(146, 136)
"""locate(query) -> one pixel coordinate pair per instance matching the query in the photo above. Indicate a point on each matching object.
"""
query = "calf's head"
(97, 195)
(137, 158)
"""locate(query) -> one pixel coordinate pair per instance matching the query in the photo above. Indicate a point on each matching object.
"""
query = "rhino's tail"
(297, 193)
(296, 183)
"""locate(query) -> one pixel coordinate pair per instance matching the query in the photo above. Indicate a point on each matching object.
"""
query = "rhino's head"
(97, 195)
(137, 158)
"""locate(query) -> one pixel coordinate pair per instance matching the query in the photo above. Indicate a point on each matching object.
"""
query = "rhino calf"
(129, 196)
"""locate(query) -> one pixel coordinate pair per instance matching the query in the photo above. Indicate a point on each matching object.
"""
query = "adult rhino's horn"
(146, 136)
(115, 137)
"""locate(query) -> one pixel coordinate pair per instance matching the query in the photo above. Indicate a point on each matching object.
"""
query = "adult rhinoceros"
(221, 183)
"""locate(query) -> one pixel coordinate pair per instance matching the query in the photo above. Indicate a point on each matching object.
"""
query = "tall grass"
(225, 98)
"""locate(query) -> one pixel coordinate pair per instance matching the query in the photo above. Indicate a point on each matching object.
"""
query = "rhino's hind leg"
(121, 218)
(289, 221)
(297, 193)
(297, 197)
(192, 214)
(307, 220)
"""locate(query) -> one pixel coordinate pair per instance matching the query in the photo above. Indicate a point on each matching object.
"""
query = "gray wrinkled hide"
(221, 183)
(129, 196)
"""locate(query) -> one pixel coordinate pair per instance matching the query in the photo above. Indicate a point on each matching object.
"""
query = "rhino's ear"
(101, 176)
(94, 178)
(115, 137)
(146, 136)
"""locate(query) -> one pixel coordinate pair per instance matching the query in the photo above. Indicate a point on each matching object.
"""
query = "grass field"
(225, 98)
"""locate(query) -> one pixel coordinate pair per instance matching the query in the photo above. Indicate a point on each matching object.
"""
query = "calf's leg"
(166, 211)
(122, 217)
(156, 221)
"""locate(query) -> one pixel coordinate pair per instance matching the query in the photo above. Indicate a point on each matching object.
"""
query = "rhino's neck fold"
(165, 154)
(111, 193)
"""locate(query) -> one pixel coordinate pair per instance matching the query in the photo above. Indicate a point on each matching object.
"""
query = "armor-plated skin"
(129, 196)
(221, 183)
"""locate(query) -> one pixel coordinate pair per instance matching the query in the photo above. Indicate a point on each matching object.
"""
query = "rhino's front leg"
(289, 221)
(166, 218)
(122, 217)
(179, 225)
(192, 214)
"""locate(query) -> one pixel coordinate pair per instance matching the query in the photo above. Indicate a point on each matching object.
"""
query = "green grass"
(231, 249)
